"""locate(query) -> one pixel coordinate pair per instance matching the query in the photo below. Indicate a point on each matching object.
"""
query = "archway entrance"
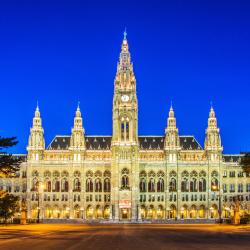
(125, 213)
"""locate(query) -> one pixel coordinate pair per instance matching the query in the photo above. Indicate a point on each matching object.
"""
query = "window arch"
(193, 181)
(214, 183)
(124, 127)
(184, 185)
(151, 185)
(107, 186)
(107, 173)
(125, 178)
(47, 174)
(142, 185)
(64, 185)
(34, 184)
(56, 185)
(47, 185)
(160, 185)
(172, 185)
(77, 185)
(89, 185)
(202, 185)
(98, 185)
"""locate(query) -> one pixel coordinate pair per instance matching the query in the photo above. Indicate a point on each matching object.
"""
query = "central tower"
(125, 166)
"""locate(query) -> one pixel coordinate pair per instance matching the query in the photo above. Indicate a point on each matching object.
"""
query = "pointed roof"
(211, 113)
(78, 111)
(37, 112)
(171, 111)
(125, 34)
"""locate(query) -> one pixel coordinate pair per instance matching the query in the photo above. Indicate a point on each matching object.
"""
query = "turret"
(77, 140)
(36, 144)
(213, 145)
(172, 141)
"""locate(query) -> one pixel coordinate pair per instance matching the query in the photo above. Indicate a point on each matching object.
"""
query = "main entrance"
(125, 205)
(124, 213)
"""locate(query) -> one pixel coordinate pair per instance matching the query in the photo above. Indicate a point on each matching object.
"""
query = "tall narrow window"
(124, 128)
(125, 178)
(127, 131)
(122, 131)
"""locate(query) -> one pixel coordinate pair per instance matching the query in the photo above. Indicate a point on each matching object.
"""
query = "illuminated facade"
(127, 176)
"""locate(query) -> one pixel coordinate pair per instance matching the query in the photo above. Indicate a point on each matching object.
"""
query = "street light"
(41, 187)
(216, 188)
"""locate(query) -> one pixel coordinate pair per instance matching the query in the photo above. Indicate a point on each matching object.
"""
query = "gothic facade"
(127, 176)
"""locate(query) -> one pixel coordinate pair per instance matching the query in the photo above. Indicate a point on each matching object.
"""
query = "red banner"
(125, 204)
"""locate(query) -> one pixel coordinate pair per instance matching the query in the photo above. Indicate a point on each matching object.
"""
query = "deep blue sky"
(191, 52)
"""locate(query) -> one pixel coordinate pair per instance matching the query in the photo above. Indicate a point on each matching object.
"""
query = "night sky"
(62, 52)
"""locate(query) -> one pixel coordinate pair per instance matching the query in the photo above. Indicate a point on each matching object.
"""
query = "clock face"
(125, 98)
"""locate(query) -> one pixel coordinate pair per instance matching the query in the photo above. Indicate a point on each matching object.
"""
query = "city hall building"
(126, 176)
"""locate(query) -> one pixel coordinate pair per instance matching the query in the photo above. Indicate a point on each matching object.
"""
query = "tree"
(245, 162)
(9, 165)
(8, 206)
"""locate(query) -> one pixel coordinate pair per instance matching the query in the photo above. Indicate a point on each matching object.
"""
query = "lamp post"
(40, 186)
(216, 188)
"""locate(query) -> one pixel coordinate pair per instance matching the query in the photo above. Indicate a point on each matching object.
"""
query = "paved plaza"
(124, 236)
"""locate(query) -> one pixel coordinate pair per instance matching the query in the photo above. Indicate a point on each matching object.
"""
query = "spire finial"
(78, 112)
(125, 34)
(171, 105)
(37, 112)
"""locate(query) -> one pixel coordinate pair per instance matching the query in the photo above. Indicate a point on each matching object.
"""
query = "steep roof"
(231, 157)
(62, 142)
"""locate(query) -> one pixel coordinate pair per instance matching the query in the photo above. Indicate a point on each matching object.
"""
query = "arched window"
(151, 185)
(89, 185)
(214, 184)
(125, 179)
(65, 185)
(172, 185)
(47, 185)
(98, 185)
(77, 185)
(160, 185)
(34, 185)
(184, 185)
(143, 185)
(124, 128)
(107, 186)
(56, 185)
(202, 185)
(193, 185)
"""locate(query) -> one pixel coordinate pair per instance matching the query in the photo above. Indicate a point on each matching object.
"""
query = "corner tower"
(36, 144)
(213, 145)
(125, 165)
(172, 140)
(77, 139)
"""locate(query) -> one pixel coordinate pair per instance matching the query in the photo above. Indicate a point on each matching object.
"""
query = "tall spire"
(77, 140)
(171, 124)
(125, 106)
(37, 112)
(213, 139)
(36, 139)
(125, 78)
(172, 141)
(125, 34)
